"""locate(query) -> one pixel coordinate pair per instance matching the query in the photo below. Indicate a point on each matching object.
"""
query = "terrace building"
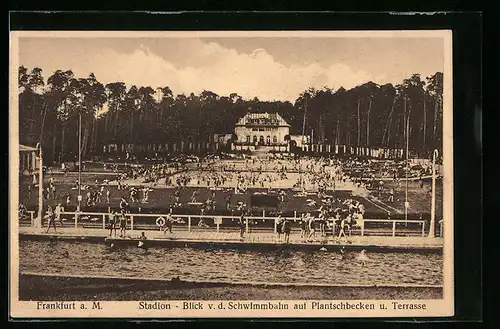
(262, 131)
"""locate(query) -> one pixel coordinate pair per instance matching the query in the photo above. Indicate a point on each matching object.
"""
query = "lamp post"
(407, 166)
(433, 202)
(79, 162)
(40, 186)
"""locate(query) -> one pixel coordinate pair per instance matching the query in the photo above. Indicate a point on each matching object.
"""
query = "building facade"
(28, 159)
(265, 131)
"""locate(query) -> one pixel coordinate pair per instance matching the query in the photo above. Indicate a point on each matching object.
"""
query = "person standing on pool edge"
(123, 224)
(57, 213)
(112, 223)
(242, 225)
(312, 228)
(51, 218)
(343, 226)
(287, 229)
(303, 226)
(279, 227)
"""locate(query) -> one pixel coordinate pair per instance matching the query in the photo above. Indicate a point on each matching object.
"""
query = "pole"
(359, 124)
(407, 167)
(79, 161)
(368, 123)
(304, 120)
(40, 187)
(433, 202)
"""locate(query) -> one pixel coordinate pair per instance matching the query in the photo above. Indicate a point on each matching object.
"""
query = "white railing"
(360, 228)
(32, 217)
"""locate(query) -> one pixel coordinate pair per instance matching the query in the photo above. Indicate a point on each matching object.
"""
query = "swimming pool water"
(223, 265)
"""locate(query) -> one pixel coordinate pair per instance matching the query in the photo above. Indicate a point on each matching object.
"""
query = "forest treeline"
(367, 115)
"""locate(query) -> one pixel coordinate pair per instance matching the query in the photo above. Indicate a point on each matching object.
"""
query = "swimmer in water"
(141, 244)
(342, 253)
(362, 257)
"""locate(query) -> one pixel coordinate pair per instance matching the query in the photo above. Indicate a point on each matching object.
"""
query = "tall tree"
(23, 79)
(435, 90)
(60, 102)
(367, 115)
(132, 105)
(116, 92)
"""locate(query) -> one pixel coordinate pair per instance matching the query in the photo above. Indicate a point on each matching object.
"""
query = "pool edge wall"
(239, 245)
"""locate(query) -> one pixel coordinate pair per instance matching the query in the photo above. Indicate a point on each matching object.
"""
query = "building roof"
(262, 119)
(24, 148)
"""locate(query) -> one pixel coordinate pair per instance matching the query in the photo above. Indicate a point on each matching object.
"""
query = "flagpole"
(407, 167)
(304, 139)
(40, 187)
(79, 161)
(433, 201)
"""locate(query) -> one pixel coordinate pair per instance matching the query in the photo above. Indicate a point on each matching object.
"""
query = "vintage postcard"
(284, 174)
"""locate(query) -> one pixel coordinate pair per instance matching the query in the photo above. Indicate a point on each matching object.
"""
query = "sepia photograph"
(217, 174)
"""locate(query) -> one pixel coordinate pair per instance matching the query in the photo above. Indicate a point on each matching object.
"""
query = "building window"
(255, 139)
(268, 140)
(261, 140)
(248, 139)
(275, 139)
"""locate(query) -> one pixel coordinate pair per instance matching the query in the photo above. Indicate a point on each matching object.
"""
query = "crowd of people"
(305, 176)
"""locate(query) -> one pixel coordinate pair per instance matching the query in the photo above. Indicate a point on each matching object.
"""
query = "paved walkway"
(257, 237)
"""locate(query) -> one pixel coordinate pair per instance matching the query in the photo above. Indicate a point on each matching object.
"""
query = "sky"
(270, 68)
